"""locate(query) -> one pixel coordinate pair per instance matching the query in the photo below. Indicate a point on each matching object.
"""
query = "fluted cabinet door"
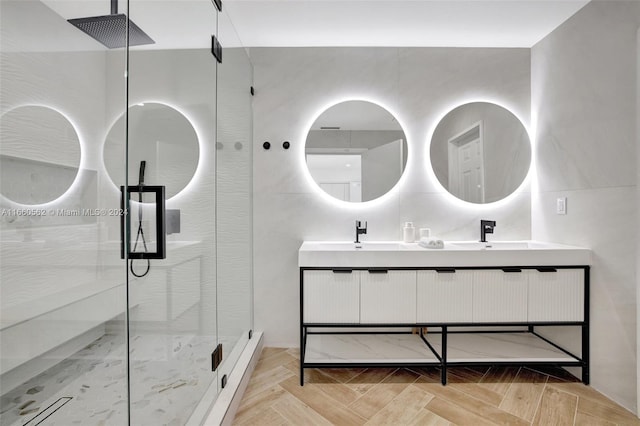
(388, 298)
(444, 297)
(500, 296)
(556, 296)
(331, 297)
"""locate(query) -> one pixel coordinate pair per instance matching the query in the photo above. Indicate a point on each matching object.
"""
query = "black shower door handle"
(161, 227)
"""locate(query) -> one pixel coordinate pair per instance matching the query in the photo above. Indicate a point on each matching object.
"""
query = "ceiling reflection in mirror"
(356, 151)
(480, 152)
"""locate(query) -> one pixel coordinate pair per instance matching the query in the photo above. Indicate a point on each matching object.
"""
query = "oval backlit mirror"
(356, 151)
(162, 137)
(39, 154)
(480, 152)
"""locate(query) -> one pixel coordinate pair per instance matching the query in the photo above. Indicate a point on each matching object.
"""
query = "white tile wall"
(418, 85)
(584, 97)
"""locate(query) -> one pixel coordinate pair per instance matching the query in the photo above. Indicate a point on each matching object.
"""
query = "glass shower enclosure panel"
(170, 126)
(63, 345)
(234, 195)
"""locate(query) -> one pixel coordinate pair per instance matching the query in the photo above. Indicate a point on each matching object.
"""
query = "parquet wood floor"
(390, 396)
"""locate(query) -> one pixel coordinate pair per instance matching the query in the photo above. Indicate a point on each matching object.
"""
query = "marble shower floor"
(169, 375)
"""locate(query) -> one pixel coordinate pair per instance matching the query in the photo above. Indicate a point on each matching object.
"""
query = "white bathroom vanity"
(380, 304)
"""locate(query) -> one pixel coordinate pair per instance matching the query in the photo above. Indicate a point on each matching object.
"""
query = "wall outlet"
(561, 205)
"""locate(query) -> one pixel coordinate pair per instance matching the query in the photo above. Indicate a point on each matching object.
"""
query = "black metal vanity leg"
(585, 354)
(443, 374)
(302, 351)
(303, 337)
(585, 326)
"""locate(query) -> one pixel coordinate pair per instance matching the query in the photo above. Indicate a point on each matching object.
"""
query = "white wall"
(418, 86)
(584, 98)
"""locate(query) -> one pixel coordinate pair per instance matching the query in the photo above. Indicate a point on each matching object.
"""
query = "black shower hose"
(140, 235)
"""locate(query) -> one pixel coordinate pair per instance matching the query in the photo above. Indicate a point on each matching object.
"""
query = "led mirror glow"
(480, 152)
(356, 151)
(39, 154)
(164, 138)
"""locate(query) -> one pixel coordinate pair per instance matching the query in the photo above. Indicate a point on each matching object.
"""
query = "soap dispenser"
(408, 232)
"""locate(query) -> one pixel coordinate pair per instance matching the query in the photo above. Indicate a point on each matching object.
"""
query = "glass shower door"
(234, 163)
(62, 284)
(171, 159)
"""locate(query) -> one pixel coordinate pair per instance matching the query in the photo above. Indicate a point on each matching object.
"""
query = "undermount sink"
(348, 245)
(496, 245)
(454, 254)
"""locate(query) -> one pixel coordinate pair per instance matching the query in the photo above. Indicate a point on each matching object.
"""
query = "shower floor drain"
(49, 411)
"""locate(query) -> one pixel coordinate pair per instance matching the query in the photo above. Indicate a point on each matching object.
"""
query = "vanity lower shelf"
(479, 348)
(400, 349)
(366, 349)
(463, 348)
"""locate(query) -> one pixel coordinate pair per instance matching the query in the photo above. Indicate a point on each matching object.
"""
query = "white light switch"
(561, 205)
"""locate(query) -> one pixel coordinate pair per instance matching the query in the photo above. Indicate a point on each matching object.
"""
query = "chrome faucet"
(486, 227)
(360, 230)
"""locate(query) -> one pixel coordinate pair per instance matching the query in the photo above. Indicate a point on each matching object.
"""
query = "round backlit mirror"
(480, 152)
(356, 151)
(163, 138)
(39, 154)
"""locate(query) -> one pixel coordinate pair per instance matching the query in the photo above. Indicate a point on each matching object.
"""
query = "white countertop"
(331, 254)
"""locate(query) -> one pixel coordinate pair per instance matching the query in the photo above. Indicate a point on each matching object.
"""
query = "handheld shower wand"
(140, 233)
(143, 164)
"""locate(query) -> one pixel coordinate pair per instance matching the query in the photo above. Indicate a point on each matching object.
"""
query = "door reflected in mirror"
(480, 152)
(356, 151)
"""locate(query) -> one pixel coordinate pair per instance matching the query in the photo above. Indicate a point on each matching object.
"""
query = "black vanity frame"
(445, 328)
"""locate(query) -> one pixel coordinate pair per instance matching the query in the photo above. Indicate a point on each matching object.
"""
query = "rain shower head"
(110, 29)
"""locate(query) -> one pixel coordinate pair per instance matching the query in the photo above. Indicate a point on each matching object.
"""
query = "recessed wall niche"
(39, 154)
(161, 136)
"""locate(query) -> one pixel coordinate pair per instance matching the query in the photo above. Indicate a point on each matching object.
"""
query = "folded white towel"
(431, 243)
